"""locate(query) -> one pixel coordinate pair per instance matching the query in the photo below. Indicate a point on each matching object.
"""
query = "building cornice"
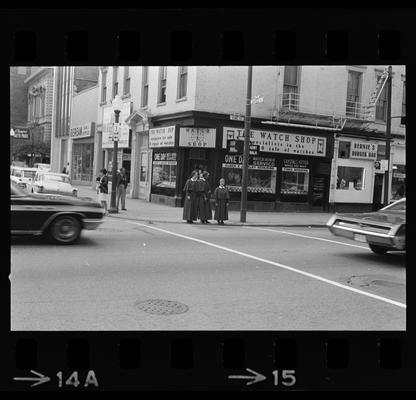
(38, 74)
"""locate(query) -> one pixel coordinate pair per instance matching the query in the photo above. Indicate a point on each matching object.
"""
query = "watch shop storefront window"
(261, 174)
(295, 180)
(164, 173)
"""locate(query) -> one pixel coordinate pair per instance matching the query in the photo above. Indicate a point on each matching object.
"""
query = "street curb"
(227, 224)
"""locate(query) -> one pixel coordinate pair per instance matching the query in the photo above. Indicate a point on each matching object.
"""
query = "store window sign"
(85, 130)
(280, 142)
(363, 151)
(162, 137)
(197, 137)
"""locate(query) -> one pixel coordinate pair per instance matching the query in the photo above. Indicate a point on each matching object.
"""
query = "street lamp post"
(247, 124)
(12, 135)
(388, 137)
(117, 104)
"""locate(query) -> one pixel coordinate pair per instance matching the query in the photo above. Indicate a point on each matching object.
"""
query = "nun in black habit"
(204, 196)
(190, 207)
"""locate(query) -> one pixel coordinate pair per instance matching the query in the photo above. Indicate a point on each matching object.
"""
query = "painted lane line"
(309, 237)
(283, 266)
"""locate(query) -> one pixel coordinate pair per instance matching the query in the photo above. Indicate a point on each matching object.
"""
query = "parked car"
(52, 183)
(62, 218)
(22, 176)
(383, 230)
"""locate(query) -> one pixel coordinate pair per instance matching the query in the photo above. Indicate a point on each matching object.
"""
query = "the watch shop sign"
(82, 131)
(279, 142)
(197, 137)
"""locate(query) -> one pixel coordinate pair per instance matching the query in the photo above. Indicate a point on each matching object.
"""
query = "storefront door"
(144, 176)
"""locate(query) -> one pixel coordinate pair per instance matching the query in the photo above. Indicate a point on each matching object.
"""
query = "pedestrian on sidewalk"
(65, 170)
(204, 195)
(222, 197)
(190, 207)
(122, 183)
(103, 189)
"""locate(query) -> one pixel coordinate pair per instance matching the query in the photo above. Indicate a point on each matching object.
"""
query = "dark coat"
(204, 205)
(190, 206)
(222, 197)
(104, 184)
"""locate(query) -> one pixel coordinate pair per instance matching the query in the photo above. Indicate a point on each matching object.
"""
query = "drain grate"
(161, 307)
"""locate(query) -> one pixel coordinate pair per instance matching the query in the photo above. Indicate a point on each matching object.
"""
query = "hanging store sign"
(162, 137)
(279, 142)
(197, 137)
(363, 150)
(83, 131)
(108, 127)
(21, 133)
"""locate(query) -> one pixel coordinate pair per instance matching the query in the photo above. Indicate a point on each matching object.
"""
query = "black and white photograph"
(208, 198)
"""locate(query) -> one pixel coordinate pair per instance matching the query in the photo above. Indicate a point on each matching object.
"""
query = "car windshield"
(57, 178)
(29, 174)
(15, 190)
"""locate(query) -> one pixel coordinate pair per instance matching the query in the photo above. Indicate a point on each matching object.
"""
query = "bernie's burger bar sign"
(280, 142)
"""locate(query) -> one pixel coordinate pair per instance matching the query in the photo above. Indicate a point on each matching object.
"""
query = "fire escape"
(320, 115)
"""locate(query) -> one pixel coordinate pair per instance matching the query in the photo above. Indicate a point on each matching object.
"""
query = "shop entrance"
(197, 160)
(378, 191)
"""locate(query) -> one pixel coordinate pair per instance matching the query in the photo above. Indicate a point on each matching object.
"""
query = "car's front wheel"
(378, 249)
(65, 229)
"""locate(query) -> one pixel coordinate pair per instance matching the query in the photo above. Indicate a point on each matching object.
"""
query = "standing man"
(121, 188)
(66, 169)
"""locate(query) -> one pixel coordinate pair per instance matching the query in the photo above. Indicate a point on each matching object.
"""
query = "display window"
(295, 177)
(398, 182)
(350, 178)
(164, 170)
(82, 162)
(261, 174)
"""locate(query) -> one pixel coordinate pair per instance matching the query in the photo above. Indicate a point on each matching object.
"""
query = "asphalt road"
(227, 278)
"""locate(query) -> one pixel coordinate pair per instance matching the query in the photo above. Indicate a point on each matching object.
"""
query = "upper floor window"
(162, 85)
(353, 93)
(182, 81)
(404, 99)
(126, 85)
(145, 86)
(115, 81)
(103, 86)
(381, 105)
(291, 86)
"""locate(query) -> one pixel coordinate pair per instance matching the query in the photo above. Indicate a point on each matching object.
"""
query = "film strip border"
(281, 361)
(211, 36)
(152, 360)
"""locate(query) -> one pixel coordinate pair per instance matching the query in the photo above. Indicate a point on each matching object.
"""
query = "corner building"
(179, 118)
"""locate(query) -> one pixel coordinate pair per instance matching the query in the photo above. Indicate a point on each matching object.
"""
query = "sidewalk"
(141, 210)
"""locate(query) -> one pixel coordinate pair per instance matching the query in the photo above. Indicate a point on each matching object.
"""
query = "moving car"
(383, 230)
(22, 176)
(52, 183)
(60, 217)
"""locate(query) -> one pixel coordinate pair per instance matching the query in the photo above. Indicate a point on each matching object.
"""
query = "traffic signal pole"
(247, 125)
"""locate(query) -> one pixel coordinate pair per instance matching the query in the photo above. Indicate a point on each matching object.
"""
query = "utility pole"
(247, 124)
(388, 137)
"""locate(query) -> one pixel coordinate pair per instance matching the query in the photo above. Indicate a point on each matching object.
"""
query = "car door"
(28, 213)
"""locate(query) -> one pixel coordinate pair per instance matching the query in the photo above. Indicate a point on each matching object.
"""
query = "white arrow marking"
(253, 378)
(41, 378)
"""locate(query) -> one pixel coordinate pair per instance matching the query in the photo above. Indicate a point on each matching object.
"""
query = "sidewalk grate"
(161, 307)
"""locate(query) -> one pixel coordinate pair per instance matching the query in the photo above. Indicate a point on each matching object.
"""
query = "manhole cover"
(162, 307)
